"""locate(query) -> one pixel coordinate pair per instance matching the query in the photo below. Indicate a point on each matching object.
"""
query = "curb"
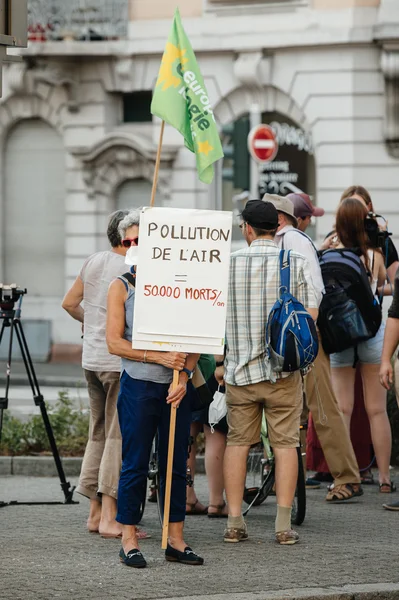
(378, 591)
(44, 466)
(66, 381)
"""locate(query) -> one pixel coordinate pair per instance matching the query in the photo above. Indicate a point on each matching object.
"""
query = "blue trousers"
(142, 409)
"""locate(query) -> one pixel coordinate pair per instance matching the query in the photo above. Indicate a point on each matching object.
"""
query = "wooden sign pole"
(169, 467)
(172, 426)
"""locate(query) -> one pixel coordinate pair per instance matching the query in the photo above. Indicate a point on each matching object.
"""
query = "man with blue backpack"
(269, 337)
(320, 398)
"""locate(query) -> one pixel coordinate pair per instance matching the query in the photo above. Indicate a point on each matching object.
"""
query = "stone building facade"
(78, 141)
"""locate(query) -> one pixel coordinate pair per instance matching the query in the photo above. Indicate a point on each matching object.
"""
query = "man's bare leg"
(286, 480)
(235, 469)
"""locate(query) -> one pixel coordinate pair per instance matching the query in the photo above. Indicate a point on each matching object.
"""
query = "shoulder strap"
(307, 237)
(130, 278)
(127, 278)
(285, 271)
(123, 280)
(301, 233)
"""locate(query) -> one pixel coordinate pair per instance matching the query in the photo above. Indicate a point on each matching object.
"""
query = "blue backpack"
(291, 336)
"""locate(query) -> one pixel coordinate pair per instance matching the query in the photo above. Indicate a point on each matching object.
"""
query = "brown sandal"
(343, 493)
(218, 514)
(194, 510)
(387, 488)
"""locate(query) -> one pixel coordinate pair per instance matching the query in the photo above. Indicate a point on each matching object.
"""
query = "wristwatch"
(188, 373)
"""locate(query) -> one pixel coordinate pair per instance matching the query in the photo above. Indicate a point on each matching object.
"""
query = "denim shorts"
(369, 352)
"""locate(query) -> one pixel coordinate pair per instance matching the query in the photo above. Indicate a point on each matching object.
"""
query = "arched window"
(34, 208)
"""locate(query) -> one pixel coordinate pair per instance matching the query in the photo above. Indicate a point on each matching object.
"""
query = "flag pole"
(172, 424)
(157, 164)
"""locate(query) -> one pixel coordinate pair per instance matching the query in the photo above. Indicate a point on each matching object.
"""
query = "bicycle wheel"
(260, 477)
(299, 504)
(143, 499)
(153, 475)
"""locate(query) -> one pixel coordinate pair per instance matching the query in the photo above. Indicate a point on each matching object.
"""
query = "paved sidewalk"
(45, 553)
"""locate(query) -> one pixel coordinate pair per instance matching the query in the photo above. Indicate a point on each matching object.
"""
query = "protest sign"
(182, 280)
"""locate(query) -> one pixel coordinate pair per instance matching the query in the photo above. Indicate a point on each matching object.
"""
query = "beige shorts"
(282, 402)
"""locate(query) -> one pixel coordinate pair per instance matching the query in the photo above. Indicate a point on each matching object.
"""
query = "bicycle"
(154, 478)
(261, 474)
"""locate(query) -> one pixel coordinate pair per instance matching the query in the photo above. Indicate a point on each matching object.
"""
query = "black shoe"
(188, 557)
(133, 558)
(323, 477)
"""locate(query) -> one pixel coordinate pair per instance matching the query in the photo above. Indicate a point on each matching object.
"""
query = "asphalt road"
(45, 553)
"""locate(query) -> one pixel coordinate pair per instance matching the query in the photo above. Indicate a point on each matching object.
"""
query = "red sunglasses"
(127, 242)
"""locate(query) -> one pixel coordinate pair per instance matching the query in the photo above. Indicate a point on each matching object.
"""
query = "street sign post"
(262, 143)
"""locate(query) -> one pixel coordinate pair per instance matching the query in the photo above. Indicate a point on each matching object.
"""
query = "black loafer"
(133, 558)
(188, 557)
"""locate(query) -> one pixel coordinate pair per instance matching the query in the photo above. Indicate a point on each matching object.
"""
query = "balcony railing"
(90, 20)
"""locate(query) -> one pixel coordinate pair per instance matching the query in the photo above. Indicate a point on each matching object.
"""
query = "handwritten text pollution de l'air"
(185, 232)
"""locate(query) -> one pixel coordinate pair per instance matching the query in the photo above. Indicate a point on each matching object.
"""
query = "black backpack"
(349, 312)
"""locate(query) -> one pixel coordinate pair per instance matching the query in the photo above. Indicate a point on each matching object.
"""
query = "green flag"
(180, 98)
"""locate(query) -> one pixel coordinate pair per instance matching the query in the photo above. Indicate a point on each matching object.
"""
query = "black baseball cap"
(263, 215)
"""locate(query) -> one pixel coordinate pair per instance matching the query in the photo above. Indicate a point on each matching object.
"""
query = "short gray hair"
(132, 218)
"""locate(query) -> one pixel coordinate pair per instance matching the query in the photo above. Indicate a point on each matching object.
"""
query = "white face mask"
(217, 409)
(132, 255)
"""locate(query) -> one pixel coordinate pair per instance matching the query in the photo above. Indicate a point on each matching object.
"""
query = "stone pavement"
(346, 552)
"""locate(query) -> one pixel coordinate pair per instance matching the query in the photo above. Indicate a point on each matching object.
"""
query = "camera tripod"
(11, 318)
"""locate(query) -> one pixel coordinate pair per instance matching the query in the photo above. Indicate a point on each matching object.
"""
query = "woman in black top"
(391, 257)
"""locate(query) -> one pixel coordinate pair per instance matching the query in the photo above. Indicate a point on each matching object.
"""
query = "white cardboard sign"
(182, 280)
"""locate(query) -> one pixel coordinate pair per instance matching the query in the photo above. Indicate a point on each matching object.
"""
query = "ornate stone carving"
(61, 74)
(121, 156)
(24, 76)
(252, 69)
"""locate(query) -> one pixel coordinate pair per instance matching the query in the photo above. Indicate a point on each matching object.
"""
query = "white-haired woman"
(144, 404)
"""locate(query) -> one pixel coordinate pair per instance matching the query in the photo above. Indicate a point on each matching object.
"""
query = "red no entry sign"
(262, 143)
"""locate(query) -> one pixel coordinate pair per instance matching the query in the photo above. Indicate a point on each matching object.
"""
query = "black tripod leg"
(4, 399)
(39, 401)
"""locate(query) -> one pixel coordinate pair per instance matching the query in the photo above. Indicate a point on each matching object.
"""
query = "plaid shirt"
(253, 290)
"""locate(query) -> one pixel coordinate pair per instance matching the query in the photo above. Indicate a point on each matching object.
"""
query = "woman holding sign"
(144, 405)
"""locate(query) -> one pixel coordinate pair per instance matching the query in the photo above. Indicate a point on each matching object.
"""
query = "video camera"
(377, 237)
(9, 295)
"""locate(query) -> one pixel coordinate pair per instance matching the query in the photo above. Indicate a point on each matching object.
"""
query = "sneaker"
(312, 484)
(235, 534)
(287, 538)
(391, 506)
